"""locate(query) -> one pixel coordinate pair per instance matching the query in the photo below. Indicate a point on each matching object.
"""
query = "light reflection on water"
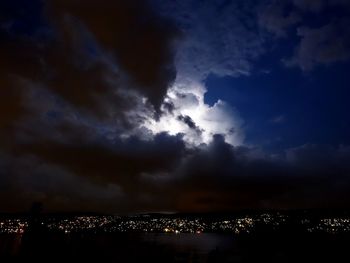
(201, 243)
(10, 244)
(164, 247)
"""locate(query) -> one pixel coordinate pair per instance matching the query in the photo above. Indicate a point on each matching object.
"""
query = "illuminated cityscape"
(177, 224)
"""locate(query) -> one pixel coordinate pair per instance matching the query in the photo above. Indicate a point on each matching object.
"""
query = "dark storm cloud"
(318, 6)
(140, 41)
(231, 178)
(54, 60)
(189, 122)
(18, 61)
(80, 174)
(78, 59)
(220, 37)
(162, 175)
(32, 179)
(168, 107)
(275, 19)
(310, 5)
(72, 76)
(322, 45)
(224, 38)
(19, 57)
(120, 161)
(70, 104)
(222, 177)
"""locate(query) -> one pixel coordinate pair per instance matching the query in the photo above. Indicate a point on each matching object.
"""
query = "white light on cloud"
(188, 101)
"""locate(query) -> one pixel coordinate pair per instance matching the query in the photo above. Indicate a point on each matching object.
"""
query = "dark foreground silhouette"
(118, 247)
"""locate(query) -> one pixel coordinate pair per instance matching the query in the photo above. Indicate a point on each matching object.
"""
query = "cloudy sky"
(167, 105)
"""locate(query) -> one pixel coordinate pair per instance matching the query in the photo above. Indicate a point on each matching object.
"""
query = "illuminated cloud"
(196, 120)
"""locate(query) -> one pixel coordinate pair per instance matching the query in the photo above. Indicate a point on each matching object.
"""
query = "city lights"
(173, 224)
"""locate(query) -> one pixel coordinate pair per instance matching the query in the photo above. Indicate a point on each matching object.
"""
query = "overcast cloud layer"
(102, 108)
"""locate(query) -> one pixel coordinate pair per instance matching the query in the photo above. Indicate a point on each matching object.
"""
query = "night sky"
(174, 106)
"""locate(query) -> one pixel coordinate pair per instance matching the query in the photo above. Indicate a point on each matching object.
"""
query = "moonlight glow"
(195, 119)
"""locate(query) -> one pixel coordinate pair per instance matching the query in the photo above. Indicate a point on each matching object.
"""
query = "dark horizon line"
(320, 211)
